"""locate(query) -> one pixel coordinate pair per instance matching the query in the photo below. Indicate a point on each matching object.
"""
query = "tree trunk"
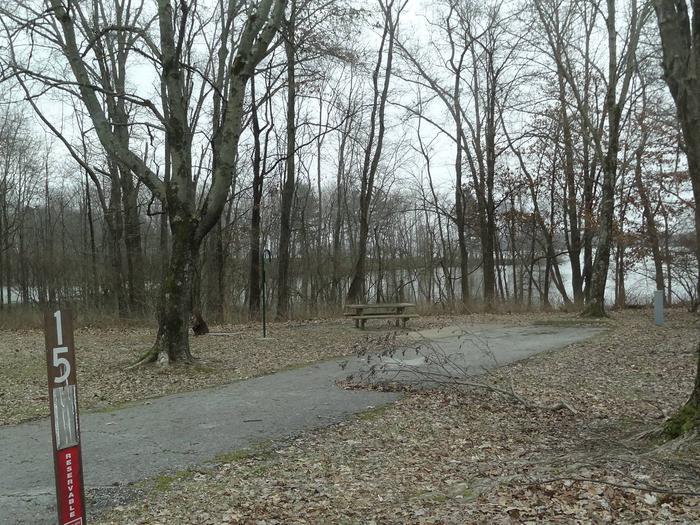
(339, 198)
(212, 274)
(172, 341)
(599, 273)
(570, 203)
(620, 293)
(589, 170)
(4, 242)
(460, 212)
(371, 160)
(132, 242)
(691, 132)
(652, 233)
(687, 419)
(489, 235)
(356, 292)
(290, 182)
(94, 286)
(254, 283)
(681, 59)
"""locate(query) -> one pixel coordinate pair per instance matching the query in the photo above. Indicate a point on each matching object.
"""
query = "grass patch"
(164, 482)
(261, 450)
(373, 413)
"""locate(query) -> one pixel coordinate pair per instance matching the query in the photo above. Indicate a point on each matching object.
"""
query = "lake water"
(639, 284)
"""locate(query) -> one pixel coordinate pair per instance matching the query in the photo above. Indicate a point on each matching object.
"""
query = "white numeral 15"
(58, 361)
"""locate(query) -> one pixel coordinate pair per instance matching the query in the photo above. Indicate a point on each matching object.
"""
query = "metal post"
(264, 290)
(264, 294)
(659, 307)
(65, 423)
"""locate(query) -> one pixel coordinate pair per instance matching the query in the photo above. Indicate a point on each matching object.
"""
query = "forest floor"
(432, 457)
(103, 356)
(475, 457)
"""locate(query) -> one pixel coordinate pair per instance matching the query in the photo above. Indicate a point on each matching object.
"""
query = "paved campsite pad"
(180, 431)
(473, 349)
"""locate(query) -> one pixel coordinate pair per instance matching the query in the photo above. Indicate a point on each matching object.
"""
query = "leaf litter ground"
(438, 456)
(103, 355)
(474, 457)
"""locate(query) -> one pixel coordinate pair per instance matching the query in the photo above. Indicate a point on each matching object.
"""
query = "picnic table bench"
(361, 312)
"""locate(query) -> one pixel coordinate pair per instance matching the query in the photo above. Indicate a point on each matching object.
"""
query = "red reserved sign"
(65, 424)
(70, 486)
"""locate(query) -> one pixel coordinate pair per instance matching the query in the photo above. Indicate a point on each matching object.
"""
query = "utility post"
(659, 307)
(263, 286)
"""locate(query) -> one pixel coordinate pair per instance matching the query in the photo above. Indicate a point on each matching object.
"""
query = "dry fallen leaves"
(103, 354)
(438, 457)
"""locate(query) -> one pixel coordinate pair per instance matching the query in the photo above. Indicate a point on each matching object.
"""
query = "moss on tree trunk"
(172, 342)
(594, 309)
(687, 419)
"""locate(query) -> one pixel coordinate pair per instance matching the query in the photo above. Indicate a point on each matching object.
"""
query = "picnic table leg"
(404, 319)
(363, 323)
(358, 311)
(399, 310)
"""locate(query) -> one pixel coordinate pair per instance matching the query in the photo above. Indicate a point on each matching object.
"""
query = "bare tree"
(620, 72)
(391, 13)
(63, 25)
(681, 61)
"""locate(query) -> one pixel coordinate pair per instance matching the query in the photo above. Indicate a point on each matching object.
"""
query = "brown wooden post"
(65, 424)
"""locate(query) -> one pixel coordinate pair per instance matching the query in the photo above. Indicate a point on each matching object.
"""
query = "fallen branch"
(437, 368)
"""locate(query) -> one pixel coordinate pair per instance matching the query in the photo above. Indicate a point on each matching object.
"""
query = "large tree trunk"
(687, 419)
(172, 342)
(570, 203)
(369, 167)
(175, 306)
(681, 60)
(289, 186)
(601, 262)
(132, 241)
(356, 292)
(254, 284)
(460, 217)
(214, 273)
(589, 182)
(599, 274)
(691, 132)
(460, 211)
(489, 242)
(488, 263)
(114, 219)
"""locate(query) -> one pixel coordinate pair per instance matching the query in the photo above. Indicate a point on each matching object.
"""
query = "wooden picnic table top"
(379, 305)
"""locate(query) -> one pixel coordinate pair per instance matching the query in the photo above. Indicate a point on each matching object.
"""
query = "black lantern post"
(268, 253)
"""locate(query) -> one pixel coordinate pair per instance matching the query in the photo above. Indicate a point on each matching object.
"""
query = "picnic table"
(362, 312)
